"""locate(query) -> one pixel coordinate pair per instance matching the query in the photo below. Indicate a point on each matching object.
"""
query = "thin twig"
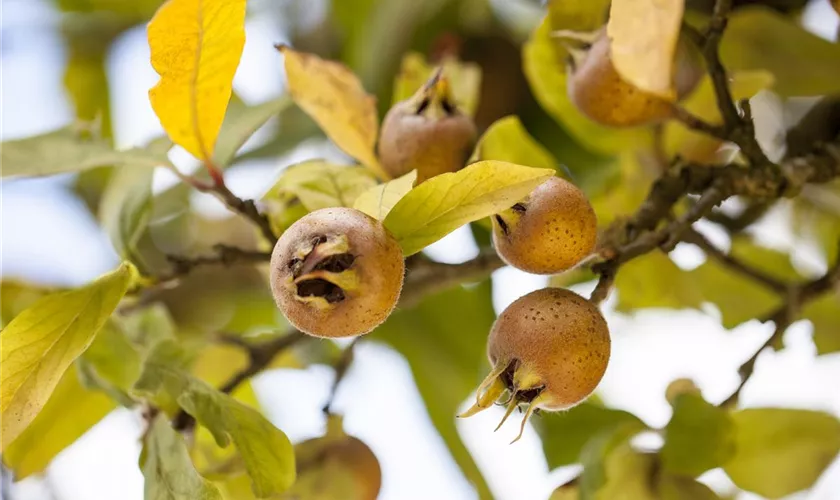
(225, 255)
(341, 366)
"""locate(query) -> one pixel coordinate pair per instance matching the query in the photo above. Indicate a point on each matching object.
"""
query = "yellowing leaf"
(169, 473)
(265, 450)
(195, 48)
(643, 39)
(697, 146)
(69, 413)
(781, 451)
(824, 314)
(464, 80)
(39, 344)
(320, 184)
(543, 61)
(699, 437)
(653, 280)
(379, 200)
(446, 202)
(507, 140)
(333, 96)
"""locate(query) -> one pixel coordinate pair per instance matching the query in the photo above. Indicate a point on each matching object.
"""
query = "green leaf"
(379, 200)
(320, 184)
(167, 468)
(739, 298)
(675, 487)
(565, 434)
(507, 140)
(241, 122)
(266, 451)
(126, 207)
(543, 61)
(757, 38)
(40, 343)
(15, 296)
(443, 339)
(653, 280)
(464, 80)
(448, 201)
(578, 15)
(69, 412)
(595, 455)
(699, 437)
(111, 364)
(627, 474)
(824, 314)
(66, 150)
(781, 451)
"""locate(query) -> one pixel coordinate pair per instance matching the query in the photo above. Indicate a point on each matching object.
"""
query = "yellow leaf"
(643, 37)
(39, 344)
(195, 46)
(446, 202)
(379, 200)
(334, 97)
(508, 140)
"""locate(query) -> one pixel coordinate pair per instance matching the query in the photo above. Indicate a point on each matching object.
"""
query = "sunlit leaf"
(240, 123)
(464, 80)
(781, 451)
(653, 280)
(676, 487)
(758, 38)
(321, 184)
(69, 412)
(333, 96)
(446, 202)
(700, 147)
(824, 314)
(643, 41)
(443, 339)
(266, 451)
(126, 207)
(68, 150)
(195, 48)
(15, 296)
(699, 437)
(543, 61)
(169, 473)
(40, 343)
(564, 434)
(508, 140)
(379, 200)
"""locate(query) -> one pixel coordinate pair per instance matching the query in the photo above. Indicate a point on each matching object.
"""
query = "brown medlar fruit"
(549, 350)
(548, 232)
(426, 132)
(335, 467)
(336, 272)
(598, 91)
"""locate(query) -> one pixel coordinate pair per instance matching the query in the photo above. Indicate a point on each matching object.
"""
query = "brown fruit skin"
(327, 455)
(378, 265)
(432, 144)
(598, 91)
(557, 230)
(559, 338)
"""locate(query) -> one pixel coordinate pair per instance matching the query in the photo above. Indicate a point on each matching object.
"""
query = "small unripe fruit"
(549, 232)
(427, 133)
(598, 91)
(336, 272)
(335, 467)
(549, 351)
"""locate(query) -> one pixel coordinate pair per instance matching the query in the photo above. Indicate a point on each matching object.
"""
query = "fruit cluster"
(338, 272)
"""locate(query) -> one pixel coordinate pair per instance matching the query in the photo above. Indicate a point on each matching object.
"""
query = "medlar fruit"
(599, 92)
(335, 467)
(549, 350)
(426, 132)
(548, 232)
(336, 272)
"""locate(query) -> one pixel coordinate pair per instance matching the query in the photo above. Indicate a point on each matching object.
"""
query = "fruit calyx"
(509, 384)
(434, 99)
(322, 270)
(511, 216)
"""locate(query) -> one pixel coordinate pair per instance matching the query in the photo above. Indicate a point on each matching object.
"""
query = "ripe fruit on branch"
(336, 467)
(426, 132)
(549, 232)
(599, 92)
(336, 272)
(549, 350)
